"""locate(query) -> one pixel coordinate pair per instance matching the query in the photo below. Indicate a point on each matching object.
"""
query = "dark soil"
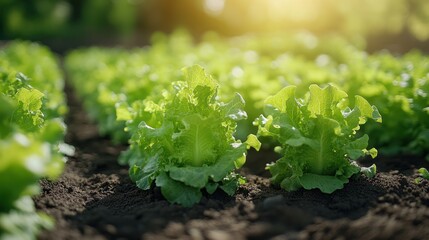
(94, 199)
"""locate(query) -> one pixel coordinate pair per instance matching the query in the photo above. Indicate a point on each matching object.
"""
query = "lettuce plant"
(31, 135)
(317, 136)
(44, 75)
(32, 138)
(184, 142)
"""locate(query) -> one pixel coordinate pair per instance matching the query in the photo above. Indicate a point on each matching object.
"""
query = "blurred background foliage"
(65, 18)
(398, 25)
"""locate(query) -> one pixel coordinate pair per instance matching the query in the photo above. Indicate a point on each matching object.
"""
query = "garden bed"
(94, 199)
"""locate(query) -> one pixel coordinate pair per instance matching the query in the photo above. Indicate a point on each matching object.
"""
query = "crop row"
(256, 68)
(183, 126)
(31, 134)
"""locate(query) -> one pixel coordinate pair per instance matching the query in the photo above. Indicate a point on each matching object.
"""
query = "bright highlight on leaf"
(185, 143)
(317, 137)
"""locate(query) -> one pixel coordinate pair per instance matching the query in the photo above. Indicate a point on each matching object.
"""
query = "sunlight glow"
(214, 7)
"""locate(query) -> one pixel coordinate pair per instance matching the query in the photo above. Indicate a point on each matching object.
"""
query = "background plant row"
(109, 80)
